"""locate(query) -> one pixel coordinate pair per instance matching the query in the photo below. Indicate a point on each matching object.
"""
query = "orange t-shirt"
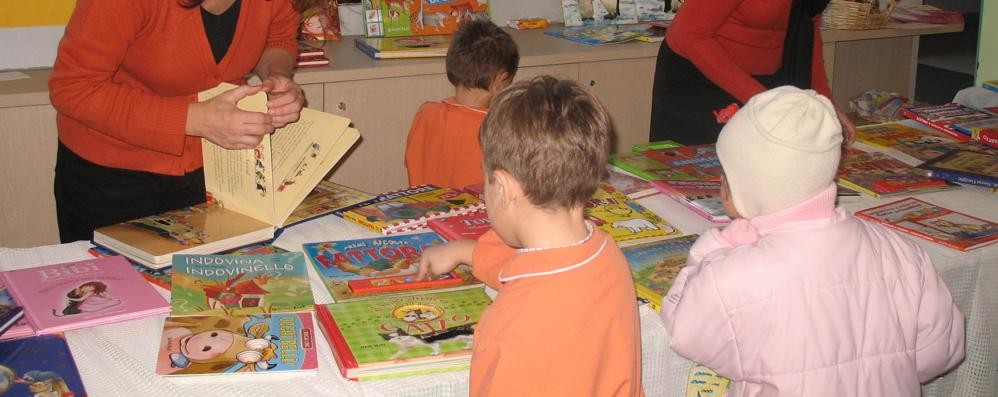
(565, 322)
(442, 148)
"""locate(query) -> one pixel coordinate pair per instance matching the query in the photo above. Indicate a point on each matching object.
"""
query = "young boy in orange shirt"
(442, 148)
(564, 322)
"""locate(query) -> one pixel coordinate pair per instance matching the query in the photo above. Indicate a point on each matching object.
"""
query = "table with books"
(119, 358)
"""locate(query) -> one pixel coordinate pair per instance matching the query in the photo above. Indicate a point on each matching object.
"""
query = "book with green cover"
(640, 165)
(688, 163)
(656, 145)
(656, 264)
(225, 285)
(404, 335)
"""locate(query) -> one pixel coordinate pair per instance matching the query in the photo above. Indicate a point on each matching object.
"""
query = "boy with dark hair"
(442, 148)
(565, 322)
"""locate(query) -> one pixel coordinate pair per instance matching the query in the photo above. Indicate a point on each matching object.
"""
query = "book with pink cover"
(702, 197)
(84, 293)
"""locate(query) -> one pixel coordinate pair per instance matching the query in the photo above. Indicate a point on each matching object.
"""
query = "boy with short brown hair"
(565, 321)
(442, 147)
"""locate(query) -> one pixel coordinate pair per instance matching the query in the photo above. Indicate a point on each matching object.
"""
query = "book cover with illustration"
(704, 382)
(225, 285)
(942, 225)
(624, 219)
(338, 262)
(688, 163)
(703, 197)
(278, 343)
(602, 12)
(83, 293)
(913, 142)
(879, 175)
(655, 265)
(10, 312)
(41, 366)
(320, 19)
(395, 18)
(628, 184)
(956, 120)
(469, 226)
(641, 166)
(403, 335)
(404, 47)
(324, 199)
(964, 166)
(205, 228)
(409, 209)
(596, 34)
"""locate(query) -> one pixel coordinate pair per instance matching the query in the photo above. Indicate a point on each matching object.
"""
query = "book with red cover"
(960, 122)
(307, 49)
(468, 226)
(879, 175)
(84, 293)
(703, 197)
(935, 223)
(687, 163)
(311, 60)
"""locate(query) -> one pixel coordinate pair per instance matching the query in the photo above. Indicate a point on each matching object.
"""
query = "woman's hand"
(221, 122)
(848, 128)
(285, 99)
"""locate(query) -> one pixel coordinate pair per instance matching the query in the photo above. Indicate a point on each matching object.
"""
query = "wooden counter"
(382, 96)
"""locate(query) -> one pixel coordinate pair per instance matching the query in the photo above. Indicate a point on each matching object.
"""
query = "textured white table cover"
(118, 359)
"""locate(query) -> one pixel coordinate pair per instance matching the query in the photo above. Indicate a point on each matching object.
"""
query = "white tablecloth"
(119, 359)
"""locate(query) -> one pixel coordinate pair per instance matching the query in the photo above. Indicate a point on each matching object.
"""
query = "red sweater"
(731, 40)
(126, 71)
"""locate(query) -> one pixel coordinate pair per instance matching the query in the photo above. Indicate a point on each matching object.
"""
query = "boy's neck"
(473, 97)
(551, 228)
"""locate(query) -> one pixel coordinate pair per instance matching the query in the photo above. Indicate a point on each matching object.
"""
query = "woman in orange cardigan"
(125, 86)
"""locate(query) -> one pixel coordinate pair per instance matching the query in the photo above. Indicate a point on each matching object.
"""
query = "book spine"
(341, 351)
(961, 177)
(988, 137)
(362, 221)
(908, 113)
(363, 47)
(654, 300)
(911, 232)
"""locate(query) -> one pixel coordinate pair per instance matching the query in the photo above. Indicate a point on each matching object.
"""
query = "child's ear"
(507, 187)
(499, 82)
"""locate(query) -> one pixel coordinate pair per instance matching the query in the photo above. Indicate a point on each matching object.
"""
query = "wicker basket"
(856, 15)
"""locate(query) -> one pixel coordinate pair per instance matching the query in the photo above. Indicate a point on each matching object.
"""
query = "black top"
(220, 29)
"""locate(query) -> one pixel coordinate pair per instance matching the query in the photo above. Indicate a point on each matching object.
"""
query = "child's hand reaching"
(444, 258)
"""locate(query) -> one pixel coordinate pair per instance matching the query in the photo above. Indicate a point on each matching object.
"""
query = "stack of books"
(409, 209)
(415, 29)
(961, 122)
(311, 55)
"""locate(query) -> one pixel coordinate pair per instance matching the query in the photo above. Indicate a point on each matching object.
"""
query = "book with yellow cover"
(251, 192)
(624, 219)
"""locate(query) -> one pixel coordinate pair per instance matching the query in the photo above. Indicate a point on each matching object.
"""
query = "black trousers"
(89, 196)
(684, 100)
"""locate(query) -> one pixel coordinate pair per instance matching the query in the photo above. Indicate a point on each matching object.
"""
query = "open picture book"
(251, 192)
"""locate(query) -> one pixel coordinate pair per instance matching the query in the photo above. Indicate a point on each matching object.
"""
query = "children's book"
(338, 262)
(10, 311)
(403, 47)
(964, 166)
(201, 229)
(924, 13)
(989, 136)
(306, 49)
(403, 335)
(311, 61)
(624, 219)
(879, 175)
(592, 12)
(632, 186)
(39, 366)
(688, 163)
(251, 192)
(326, 198)
(409, 209)
(991, 85)
(226, 285)
(396, 18)
(469, 226)
(81, 294)
(641, 166)
(705, 382)
(938, 224)
(656, 264)
(277, 343)
(656, 145)
(956, 120)
(595, 34)
(703, 197)
(912, 142)
(320, 19)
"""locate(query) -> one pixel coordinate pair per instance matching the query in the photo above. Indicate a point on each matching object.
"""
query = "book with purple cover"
(42, 366)
(84, 293)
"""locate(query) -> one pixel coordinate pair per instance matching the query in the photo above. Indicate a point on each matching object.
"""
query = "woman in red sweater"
(125, 86)
(722, 52)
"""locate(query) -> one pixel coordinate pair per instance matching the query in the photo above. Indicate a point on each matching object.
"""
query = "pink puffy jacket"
(810, 301)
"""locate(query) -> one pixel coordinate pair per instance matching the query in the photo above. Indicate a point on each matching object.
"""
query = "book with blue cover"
(39, 366)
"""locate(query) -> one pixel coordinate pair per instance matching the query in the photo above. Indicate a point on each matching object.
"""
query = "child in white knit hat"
(797, 297)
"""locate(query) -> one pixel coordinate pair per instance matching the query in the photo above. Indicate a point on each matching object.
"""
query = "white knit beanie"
(779, 150)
